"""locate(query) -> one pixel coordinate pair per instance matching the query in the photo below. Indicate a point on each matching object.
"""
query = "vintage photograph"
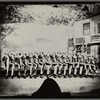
(50, 50)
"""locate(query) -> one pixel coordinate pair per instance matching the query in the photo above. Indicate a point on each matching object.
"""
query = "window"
(86, 28)
(98, 27)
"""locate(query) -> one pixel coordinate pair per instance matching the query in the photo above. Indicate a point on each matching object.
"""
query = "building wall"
(78, 26)
(78, 33)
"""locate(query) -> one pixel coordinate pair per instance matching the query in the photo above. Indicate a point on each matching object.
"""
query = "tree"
(76, 12)
(10, 14)
(67, 14)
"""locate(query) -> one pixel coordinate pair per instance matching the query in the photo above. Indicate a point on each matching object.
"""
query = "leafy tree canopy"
(52, 14)
(62, 14)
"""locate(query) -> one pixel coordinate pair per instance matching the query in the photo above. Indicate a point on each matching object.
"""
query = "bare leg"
(35, 70)
(12, 70)
(81, 69)
(95, 69)
(60, 67)
(41, 70)
(65, 68)
(19, 70)
(76, 67)
(55, 70)
(70, 69)
(7, 69)
(86, 70)
(75, 70)
(25, 70)
(31, 67)
(92, 69)
(48, 69)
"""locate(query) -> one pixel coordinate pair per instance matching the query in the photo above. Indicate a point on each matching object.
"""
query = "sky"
(30, 38)
(48, 14)
(42, 33)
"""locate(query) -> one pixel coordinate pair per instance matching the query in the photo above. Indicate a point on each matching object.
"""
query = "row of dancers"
(56, 64)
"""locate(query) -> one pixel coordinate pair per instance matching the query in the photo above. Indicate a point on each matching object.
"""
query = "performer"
(35, 64)
(12, 64)
(81, 65)
(92, 60)
(5, 59)
(30, 63)
(92, 66)
(54, 64)
(75, 68)
(60, 61)
(75, 64)
(74, 57)
(65, 65)
(47, 64)
(85, 62)
(70, 57)
(67, 57)
(18, 63)
(88, 67)
(41, 64)
(70, 66)
(25, 63)
(79, 57)
(85, 58)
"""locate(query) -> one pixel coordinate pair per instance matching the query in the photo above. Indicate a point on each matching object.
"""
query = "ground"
(28, 86)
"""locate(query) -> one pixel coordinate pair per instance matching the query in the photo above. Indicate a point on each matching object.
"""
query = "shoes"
(80, 76)
(30, 76)
(47, 76)
(12, 76)
(41, 76)
(75, 75)
(24, 76)
(6, 76)
(65, 76)
(59, 76)
(86, 76)
(55, 76)
(19, 76)
(69, 76)
(35, 76)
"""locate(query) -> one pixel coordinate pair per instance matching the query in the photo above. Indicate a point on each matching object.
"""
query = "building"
(87, 36)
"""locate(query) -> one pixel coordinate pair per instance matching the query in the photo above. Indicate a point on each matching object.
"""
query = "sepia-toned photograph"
(50, 50)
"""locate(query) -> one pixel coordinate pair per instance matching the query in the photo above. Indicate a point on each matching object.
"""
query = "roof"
(89, 17)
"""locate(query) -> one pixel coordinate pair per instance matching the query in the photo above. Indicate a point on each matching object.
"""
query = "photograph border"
(47, 2)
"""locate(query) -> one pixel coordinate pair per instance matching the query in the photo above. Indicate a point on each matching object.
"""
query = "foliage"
(12, 14)
(66, 14)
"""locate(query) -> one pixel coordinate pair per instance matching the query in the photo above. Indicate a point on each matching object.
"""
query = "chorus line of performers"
(50, 64)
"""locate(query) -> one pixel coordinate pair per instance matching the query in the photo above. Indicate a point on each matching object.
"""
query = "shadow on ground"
(50, 89)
